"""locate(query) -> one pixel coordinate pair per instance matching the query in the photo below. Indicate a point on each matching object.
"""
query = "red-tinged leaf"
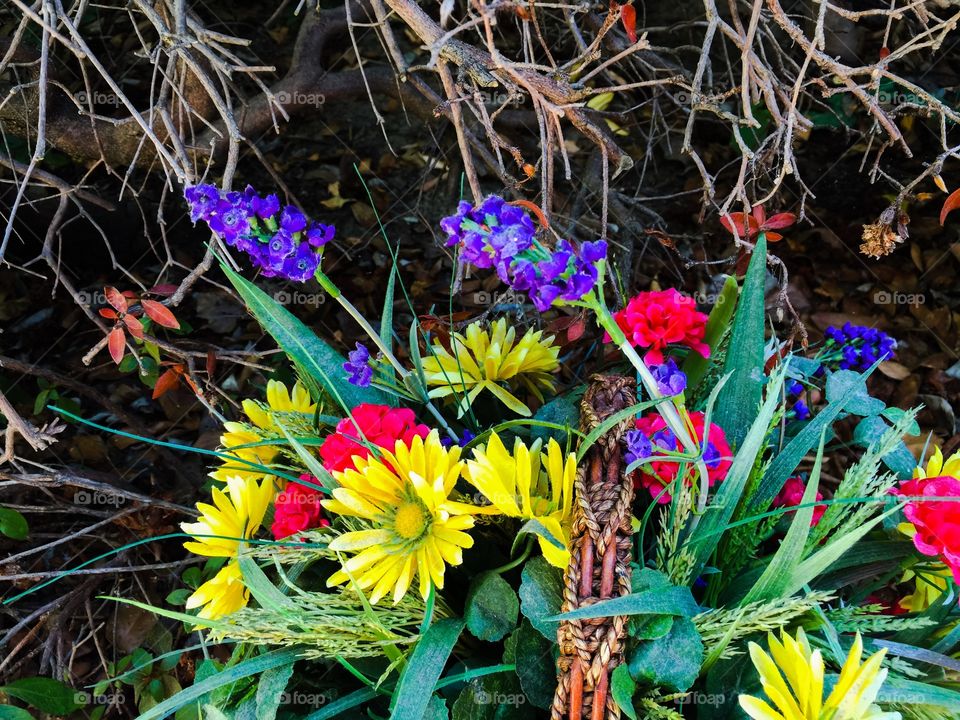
(108, 313)
(116, 341)
(166, 382)
(949, 205)
(575, 329)
(115, 298)
(780, 221)
(884, 51)
(134, 326)
(165, 290)
(738, 223)
(211, 363)
(773, 236)
(758, 214)
(628, 14)
(160, 314)
(534, 208)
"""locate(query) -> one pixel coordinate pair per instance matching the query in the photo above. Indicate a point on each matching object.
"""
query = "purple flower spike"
(203, 200)
(302, 265)
(319, 234)
(670, 379)
(857, 347)
(358, 366)
(639, 446)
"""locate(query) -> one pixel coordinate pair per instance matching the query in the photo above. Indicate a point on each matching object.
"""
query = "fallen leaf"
(894, 370)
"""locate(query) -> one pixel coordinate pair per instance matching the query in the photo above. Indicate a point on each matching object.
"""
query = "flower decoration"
(747, 226)
(280, 400)
(671, 380)
(792, 495)
(857, 347)
(297, 508)
(499, 235)
(280, 241)
(492, 360)
(793, 681)
(934, 523)
(659, 474)
(528, 484)
(358, 368)
(929, 585)
(639, 446)
(368, 425)
(412, 527)
(658, 318)
(234, 517)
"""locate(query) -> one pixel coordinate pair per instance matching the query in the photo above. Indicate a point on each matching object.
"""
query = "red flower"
(381, 425)
(792, 495)
(658, 318)
(749, 226)
(937, 522)
(297, 509)
(657, 475)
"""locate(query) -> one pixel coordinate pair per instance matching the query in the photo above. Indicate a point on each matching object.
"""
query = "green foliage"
(695, 365)
(423, 669)
(45, 694)
(11, 712)
(622, 688)
(492, 607)
(672, 661)
(13, 524)
(541, 589)
(536, 667)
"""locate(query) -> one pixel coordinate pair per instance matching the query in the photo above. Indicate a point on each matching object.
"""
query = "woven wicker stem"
(600, 556)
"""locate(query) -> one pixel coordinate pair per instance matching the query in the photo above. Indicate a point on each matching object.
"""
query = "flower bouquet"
(670, 515)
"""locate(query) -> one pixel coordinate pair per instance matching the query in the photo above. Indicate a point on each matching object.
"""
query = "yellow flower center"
(410, 521)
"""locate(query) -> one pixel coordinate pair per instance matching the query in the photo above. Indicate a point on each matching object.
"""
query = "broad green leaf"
(492, 607)
(676, 601)
(45, 694)
(541, 595)
(340, 706)
(673, 661)
(10, 712)
(423, 669)
(270, 689)
(535, 527)
(622, 688)
(563, 410)
(851, 388)
(779, 571)
(322, 362)
(13, 524)
(738, 401)
(497, 697)
(535, 666)
(695, 366)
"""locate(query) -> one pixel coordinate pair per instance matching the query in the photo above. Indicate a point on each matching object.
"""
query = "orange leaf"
(115, 298)
(160, 314)
(938, 181)
(628, 14)
(780, 221)
(773, 236)
(949, 205)
(108, 313)
(134, 326)
(166, 382)
(116, 340)
(532, 208)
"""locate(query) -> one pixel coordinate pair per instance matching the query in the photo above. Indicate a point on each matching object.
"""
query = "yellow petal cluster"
(792, 679)
(938, 467)
(492, 360)
(529, 484)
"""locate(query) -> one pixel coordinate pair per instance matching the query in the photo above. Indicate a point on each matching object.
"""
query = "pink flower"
(297, 509)
(660, 318)
(792, 495)
(381, 425)
(937, 523)
(657, 475)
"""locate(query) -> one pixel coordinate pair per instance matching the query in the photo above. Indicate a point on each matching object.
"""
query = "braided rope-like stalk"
(600, 555)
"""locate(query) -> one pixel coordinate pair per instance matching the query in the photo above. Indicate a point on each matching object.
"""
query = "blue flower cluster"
(498, 235)
(671, 380)
(859, 346)
(279, 240)
(358, 366)
(794, 388)
(639, 446)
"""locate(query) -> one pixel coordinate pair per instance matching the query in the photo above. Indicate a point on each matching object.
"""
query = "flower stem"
(518, 560)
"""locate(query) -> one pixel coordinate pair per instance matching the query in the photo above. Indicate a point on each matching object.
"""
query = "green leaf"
(541, 595)
(10, 712)
(779, 571)
(660, 601)
(739, 399)
(347, 702)
(850, 388)
(436, 709)
(561, 410)
(265, 592)
(911, 692)
(622, 688)
(270, 689)
(322, 362)
(895, 415)
(497, 697)
(695, 366)
(492, 607)
(535, 666)
(45, 694)
(423, 669)
(13, 524)
(673, 661)
(535, 527)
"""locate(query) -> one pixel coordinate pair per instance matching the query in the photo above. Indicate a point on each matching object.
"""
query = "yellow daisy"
(793, 681)
(937, 467)
(492, 360)
(528, 484)
(929, 585)
(236, 514)
(223, 594)
(413, 528)
(279, 400)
